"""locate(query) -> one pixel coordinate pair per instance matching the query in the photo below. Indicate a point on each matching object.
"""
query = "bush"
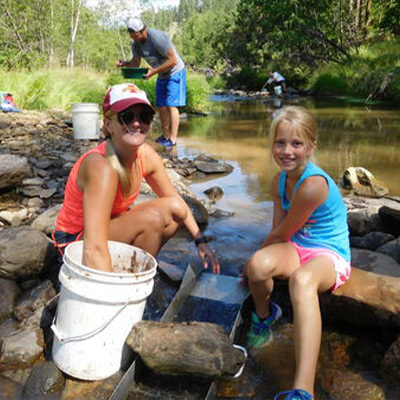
(60, 88)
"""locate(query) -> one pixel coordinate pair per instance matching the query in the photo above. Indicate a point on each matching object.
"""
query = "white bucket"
(85, 120)
(278, 90)
(96, 311)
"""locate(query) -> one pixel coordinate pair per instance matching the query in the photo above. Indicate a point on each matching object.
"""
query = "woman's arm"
(99, 183)
(310, 195)
(160, 182)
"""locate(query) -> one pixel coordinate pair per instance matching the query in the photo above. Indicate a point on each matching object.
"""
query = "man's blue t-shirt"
(327, 226)
(154, 50)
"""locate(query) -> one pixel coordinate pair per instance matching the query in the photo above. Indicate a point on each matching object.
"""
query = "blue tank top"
(327, 226)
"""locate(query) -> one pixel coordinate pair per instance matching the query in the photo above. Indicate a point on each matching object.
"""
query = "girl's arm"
(99, 183)
(311, 194)
(160, 182)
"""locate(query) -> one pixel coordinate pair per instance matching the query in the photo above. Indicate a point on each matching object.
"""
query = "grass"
(60, 88)
(373, 73)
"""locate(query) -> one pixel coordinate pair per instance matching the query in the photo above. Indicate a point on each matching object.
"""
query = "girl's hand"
(207, 255)
(243, 275)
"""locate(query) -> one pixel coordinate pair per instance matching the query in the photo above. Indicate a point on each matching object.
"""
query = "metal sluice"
(202, 297)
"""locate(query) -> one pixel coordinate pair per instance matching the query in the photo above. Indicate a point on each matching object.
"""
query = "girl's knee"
(259, 267)
(301, 283)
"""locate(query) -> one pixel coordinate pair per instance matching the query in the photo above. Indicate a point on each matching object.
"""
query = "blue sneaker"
(168, 143)
(294, 394)
(260, 331)
(161, 139)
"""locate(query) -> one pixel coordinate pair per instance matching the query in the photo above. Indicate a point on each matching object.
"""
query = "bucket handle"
(89, 334)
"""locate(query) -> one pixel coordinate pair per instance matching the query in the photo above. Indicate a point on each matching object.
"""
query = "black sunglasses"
(127, 116)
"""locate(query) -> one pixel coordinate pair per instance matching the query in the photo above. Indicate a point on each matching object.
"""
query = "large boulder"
(13, 170)
(366, 299)
(23, 252)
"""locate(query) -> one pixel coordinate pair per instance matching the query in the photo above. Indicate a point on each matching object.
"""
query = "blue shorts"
(171, 92)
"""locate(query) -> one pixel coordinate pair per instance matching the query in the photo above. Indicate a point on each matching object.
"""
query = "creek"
(350, 134)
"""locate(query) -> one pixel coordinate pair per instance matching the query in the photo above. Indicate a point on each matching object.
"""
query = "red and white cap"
(119, 97)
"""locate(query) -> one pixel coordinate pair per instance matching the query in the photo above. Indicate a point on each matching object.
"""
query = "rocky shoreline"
(37, 152)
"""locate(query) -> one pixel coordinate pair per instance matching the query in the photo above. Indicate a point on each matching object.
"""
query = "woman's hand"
(207, 256)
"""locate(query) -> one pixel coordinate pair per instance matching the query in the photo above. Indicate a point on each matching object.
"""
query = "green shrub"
(330, 82)
(60, 88)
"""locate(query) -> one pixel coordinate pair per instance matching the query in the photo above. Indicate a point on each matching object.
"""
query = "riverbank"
(28, 306)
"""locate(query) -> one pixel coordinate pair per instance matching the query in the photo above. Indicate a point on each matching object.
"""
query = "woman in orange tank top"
(105, 181)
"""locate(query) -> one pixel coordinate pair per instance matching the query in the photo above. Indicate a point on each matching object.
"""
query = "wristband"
(200, 240)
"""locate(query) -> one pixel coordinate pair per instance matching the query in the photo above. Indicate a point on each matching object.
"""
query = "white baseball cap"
(119, 97)
(135, 24)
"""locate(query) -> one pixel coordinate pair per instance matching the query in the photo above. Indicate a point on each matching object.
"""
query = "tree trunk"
(367, 14)
(74, 29)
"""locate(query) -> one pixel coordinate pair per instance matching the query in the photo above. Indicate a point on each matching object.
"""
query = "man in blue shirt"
(157, 49)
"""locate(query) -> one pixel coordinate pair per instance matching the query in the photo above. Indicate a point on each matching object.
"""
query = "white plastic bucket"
(278, 90)
(96, 311)
(85, 120)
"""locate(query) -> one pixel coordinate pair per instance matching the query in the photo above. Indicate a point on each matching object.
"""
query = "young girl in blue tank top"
(308, 245)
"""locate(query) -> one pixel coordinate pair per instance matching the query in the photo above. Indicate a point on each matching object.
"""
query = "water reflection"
(348, 136)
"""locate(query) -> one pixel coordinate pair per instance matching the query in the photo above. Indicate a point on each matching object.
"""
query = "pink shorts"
(342, 267)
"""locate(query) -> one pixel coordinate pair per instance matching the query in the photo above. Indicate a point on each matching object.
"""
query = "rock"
(13, 170)
(214, 193)
(33, 182)
(371, 240)
(391, 249)
(345, 384)
(391, 220)
(21, 349)
(14, 218)
(33, 300)
(10, 389)
(362, 183)
(373, 261)
(363, 221)
(390, 365)
(46, 222)
(189, 348)
(213, 167)
(22, 252)
(198, 210)
(9, 292)
(366, 299)
(44, 380)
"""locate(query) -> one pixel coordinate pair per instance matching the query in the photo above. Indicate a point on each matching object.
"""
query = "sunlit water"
(236, 132)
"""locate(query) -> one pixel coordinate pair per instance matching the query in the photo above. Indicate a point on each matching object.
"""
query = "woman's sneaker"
(168, 143)
(260, 331)
(294, 394)
(161, 139)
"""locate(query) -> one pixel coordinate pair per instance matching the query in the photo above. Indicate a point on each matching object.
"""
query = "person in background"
(275, 79)
(157, 49)
(105, 181)
(308, 245)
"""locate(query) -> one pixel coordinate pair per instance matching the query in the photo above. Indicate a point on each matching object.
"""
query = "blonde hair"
(114, 160)
(302, 121)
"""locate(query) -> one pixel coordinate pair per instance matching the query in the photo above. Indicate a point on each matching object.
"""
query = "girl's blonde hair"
(113, 159)
(301, 119)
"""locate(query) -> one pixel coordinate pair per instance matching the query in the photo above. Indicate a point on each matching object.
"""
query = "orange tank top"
(70, 217)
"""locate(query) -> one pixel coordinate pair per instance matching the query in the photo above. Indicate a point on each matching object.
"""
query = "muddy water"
(350, 135)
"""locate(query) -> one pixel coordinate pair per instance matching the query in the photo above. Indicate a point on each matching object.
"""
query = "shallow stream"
(350, 134)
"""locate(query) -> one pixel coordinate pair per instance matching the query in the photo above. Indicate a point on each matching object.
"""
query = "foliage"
(372, 73)
(60, 88)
